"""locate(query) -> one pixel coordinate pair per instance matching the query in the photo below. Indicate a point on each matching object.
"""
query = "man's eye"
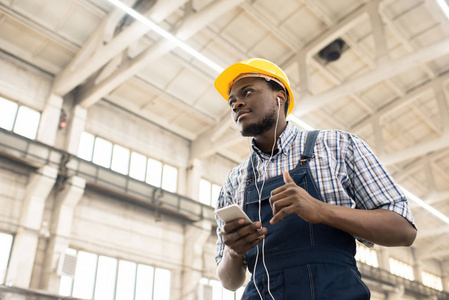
(247, 93)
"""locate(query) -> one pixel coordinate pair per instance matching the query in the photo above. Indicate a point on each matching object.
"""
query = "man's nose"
(237, 104)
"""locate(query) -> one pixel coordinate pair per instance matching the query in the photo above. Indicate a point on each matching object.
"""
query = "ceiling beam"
(437, 197)
(417, 150)
(382, 72)
(95, 54)
(398, 103)
(48, 34)
(207, 118)
(422, 252)
(329, 36)
(433, 232)
(91, 93)
(441, 254)
(211, 141)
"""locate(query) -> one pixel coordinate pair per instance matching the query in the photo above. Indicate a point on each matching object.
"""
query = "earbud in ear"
(279, 101)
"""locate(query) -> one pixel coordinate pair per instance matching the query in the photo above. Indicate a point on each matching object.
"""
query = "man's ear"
(282, 96)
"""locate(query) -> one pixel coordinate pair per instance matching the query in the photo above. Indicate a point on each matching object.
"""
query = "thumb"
(288, 178)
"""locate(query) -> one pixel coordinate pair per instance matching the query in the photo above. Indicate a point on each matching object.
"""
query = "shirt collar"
(283, 142)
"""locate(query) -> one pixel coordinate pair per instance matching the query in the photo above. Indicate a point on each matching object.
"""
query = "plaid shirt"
(344, 168)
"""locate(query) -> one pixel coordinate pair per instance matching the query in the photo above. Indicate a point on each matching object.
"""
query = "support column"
(304, 78)
(76, 129)
(194, 177)
(445, 275)
(50, 120)
(195, 238)
(378, 136)
(417, 271)
(60, 228)
(380, 40)
(383, 256)
(26, 239)
(397, 294)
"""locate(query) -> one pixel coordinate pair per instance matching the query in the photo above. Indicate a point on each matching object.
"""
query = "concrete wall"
(128, 130)
(23, 83)
(13, 180)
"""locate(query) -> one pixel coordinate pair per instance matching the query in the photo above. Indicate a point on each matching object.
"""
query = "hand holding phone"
(231, 213)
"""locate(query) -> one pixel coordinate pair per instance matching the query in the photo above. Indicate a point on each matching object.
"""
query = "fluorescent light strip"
(299, 122)
(444, 7)
(165, 34)
(426, 206)
(168, 36)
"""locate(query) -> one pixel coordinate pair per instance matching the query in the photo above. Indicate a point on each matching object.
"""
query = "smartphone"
(232, 212)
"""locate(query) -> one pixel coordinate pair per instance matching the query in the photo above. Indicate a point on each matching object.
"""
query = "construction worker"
(309, 195)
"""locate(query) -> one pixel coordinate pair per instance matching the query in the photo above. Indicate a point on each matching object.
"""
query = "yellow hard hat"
(254, 67)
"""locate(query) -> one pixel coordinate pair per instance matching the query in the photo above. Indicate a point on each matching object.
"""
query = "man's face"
(253, 106)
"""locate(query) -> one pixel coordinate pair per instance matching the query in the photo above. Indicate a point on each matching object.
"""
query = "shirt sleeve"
(225, 198)
(372, 186)
(220, 244)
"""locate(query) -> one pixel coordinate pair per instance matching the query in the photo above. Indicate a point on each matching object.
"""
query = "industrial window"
(401, 269)
(126, 280)
(144, 282)
(5, 253)
(20, 119)
(8, 112)
(210, 289)
(137, 168)
(83, 285)
(154, 173)
(103, 277)
(366, 255)
(432, 280)
(169, 178)
(107, 268)
(86, 146)
(120, 159)
(208, 192)
(102, 152)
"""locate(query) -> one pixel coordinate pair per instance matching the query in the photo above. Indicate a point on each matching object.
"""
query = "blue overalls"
(304, 260)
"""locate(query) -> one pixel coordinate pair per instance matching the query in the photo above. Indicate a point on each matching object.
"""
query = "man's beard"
(263, 125)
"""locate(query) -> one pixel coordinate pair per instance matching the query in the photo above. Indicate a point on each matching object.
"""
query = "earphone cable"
(259, 192)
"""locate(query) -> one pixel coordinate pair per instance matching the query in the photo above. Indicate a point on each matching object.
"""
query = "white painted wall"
(125, 129)
(13, 181)
(22, 83)
(116, 228)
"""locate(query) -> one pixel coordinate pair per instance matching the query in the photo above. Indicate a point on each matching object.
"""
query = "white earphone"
(279, 101)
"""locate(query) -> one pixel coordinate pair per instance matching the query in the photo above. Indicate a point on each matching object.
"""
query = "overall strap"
(310, 144)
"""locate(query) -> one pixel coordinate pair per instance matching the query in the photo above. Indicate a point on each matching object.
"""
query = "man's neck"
(266, 140)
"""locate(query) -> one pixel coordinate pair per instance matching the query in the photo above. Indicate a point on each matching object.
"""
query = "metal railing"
(36, 154)
(414, 288)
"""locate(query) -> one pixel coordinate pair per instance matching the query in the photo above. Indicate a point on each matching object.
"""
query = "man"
(308, 193)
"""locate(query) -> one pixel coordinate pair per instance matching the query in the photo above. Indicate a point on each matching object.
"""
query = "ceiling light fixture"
(165, 34)
(444, 7)
(426, 206)
(299, 122)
